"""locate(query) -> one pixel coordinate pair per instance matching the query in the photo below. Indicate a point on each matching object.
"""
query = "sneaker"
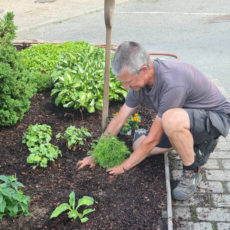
(187, 185)
(203, 151)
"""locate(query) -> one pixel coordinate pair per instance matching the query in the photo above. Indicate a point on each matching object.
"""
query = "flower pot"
(129, 133)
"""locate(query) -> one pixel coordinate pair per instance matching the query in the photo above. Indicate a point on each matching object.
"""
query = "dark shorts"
(204, 125)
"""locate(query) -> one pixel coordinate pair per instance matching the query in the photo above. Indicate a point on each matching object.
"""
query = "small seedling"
(73, 212)
(74, 136)
(37, 139)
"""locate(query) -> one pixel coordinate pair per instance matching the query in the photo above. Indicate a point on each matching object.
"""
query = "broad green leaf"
(91, 109)
(4, 178)
(88, 210)
(2, 206)
(83, 220)
(15, 209)
(99, 105)
(7, 191)
(17, 184)
(83, 97)
(61, 208)
(85, 200)
(24, 207)
(72, 200)
(26, 199)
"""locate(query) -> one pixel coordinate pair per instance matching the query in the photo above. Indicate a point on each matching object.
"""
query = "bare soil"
(130, 201)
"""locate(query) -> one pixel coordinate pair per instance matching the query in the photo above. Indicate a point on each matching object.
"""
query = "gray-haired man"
(191, 113)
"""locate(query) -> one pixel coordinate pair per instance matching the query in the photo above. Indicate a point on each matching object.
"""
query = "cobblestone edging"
(209, 208)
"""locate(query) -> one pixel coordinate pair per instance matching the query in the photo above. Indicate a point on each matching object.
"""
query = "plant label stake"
(108, 14)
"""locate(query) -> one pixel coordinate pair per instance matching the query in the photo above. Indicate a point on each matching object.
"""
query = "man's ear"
(144, 68)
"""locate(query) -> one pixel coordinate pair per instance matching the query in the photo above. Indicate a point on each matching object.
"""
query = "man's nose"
(125, 85)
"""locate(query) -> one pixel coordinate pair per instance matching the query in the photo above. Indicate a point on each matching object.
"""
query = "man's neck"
(151, 76)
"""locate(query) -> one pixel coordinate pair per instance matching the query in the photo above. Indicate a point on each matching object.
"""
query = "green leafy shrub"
(37, 139)
(109, 151)
(73, 212)
(41, 59)
(16, 87)
(74, 136)
(12, 200)
(79, 80)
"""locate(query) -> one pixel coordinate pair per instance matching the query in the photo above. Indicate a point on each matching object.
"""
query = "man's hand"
(116, 170)
(86, 161)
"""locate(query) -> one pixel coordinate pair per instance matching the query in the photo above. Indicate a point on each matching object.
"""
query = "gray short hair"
(131, 56)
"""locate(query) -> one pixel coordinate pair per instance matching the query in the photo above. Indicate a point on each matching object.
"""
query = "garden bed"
(133, 200)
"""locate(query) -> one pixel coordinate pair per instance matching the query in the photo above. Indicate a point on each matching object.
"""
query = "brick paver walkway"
(209, 208)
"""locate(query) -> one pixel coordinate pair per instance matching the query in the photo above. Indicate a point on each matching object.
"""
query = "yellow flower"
(126, 123)
(136, 115)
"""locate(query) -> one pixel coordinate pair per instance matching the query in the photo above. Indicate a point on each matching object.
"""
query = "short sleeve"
(132, 100)
(173, 98)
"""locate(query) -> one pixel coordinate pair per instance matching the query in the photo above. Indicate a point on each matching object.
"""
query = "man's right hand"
(86, 161)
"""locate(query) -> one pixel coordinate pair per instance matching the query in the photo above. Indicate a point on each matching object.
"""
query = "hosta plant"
(74, 136)
(73, 211)
(37, 138)
(12, 200)
(79, 80)
(41, 59)
(109, 151)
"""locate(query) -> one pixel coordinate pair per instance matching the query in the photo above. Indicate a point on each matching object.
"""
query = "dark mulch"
(133, 200)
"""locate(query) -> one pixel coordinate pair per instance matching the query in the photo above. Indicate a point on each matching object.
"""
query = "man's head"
(131, 63)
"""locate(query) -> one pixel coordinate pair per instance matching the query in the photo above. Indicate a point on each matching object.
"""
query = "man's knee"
(175, 120)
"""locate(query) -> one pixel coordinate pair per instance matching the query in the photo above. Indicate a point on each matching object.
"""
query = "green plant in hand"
(73, 212)
(109, 151)
(37, 138)
(12, 200)
(74, 136)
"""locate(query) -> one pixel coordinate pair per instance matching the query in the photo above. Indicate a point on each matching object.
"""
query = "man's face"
(136, 82)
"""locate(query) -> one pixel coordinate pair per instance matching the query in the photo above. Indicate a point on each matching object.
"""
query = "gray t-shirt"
(178, 85)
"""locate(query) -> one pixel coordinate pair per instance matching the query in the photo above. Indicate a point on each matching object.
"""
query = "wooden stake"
(108, 14)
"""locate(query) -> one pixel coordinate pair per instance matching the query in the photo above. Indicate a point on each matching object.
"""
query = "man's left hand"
(116, 170)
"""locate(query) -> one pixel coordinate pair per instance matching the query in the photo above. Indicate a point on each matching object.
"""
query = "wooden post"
(108, 14)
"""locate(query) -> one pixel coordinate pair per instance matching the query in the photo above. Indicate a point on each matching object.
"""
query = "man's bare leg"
(176, 125)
